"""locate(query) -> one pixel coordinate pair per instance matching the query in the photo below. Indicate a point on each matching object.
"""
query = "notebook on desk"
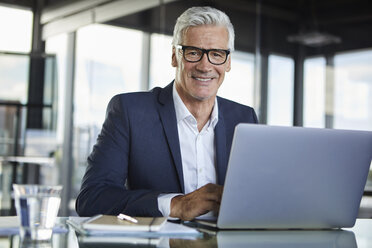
(101, 225)
(111, 227)
(292, 177)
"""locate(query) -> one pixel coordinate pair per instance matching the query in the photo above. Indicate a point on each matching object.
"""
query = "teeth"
(203, 79)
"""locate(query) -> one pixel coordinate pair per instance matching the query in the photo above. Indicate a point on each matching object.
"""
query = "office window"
(16, 26)
(161, 70)
(347, 100)
(314, 92)
(239, 81)
(108, 62)
(280, 91)
(15, 37)
(15, 41)
(353, 90)
(14, 70)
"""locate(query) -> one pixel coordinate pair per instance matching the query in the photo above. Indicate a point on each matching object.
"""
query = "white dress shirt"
(198, 153)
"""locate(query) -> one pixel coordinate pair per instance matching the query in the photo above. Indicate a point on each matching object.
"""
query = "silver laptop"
(293, 177)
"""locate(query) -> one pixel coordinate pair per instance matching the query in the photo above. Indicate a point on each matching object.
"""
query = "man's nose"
(204, 64)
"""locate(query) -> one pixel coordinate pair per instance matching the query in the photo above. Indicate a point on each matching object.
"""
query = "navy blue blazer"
(137, 155)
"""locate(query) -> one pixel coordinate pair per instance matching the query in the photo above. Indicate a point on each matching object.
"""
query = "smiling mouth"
(202, 79)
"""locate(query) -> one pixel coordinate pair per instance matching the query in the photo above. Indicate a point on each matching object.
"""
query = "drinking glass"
(37, 208)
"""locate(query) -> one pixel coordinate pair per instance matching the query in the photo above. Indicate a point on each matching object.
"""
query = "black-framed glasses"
(195, 54)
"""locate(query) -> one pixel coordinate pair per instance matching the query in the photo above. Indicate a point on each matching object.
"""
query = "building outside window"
(280, 91)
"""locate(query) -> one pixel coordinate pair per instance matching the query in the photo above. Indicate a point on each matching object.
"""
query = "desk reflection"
(223, 239)
(112, 242)
(272, 239)
(30, 244)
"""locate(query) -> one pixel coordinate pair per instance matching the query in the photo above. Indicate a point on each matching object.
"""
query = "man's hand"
(196, 203)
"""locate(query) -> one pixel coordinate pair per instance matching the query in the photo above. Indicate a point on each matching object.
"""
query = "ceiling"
(329, 26)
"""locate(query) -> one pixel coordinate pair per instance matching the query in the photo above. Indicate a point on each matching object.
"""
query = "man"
(165, 152)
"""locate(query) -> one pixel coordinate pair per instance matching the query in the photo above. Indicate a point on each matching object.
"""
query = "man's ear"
(228, 64)
(174, 58)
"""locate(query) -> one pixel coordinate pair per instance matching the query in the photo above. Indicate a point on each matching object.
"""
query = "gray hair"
(196, 16)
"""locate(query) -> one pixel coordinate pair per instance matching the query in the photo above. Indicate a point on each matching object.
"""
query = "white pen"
(128, 218)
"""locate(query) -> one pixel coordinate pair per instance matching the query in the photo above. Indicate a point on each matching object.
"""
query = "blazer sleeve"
(103, 189)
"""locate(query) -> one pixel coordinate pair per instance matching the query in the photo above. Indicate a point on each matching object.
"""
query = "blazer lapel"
(221, 152)
(168, 118)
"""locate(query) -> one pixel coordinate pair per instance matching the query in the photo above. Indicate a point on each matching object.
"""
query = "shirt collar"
(182, 112)
(214, 116)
